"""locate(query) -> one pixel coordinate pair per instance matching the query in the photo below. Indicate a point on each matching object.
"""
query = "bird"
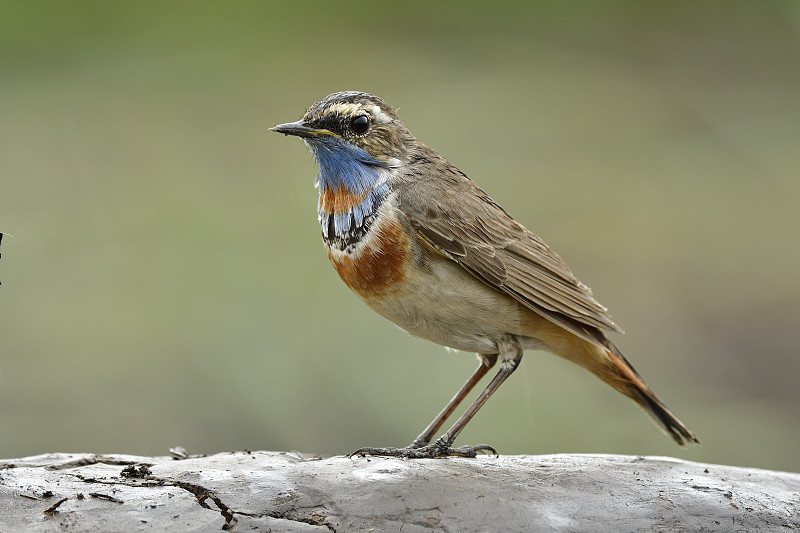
(422, 245)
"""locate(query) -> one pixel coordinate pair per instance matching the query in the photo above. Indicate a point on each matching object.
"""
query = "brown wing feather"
(461, 222)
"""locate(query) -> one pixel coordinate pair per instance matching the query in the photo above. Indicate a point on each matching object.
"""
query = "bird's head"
(359, 144)
(353, 135)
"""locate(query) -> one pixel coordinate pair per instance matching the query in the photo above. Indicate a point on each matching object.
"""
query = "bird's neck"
(352, 187)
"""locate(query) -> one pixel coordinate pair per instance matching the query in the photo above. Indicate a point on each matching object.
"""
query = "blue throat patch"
(346, 168)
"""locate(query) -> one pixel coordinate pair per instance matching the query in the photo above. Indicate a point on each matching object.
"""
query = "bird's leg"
(487, 361)
(510, 356)
(509, 363)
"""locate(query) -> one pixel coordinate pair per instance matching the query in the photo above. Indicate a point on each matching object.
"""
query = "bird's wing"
(457, 219)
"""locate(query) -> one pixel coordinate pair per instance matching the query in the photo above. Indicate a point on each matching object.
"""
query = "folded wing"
(461, 222)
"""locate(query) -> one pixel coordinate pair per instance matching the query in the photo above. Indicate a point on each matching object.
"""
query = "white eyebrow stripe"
(343, 108)
(350, 108)
(377, 114)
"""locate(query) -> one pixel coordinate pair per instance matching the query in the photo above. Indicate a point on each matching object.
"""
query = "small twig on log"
(105, 497)
(51, 511)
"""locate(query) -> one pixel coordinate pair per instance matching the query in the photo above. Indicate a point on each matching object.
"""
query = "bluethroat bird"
(426, 248)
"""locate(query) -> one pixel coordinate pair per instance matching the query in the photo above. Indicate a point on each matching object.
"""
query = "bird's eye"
(360, 124)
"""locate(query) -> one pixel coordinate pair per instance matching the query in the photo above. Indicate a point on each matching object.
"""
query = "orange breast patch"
(340, 200)
(379, 266)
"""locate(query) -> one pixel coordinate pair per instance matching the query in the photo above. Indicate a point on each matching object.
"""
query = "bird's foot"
(440, 448)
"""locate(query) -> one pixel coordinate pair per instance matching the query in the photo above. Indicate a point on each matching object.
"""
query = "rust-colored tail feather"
(634, 387)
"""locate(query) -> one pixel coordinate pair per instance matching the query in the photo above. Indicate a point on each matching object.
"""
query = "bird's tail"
(622, 376)
(596, 353)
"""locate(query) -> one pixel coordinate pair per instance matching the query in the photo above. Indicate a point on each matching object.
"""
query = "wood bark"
(288, 492)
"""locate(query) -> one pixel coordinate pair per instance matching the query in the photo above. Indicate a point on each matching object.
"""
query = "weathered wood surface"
(272, 491)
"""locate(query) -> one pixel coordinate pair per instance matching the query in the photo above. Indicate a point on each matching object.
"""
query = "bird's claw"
(473, 451)
(431, 451)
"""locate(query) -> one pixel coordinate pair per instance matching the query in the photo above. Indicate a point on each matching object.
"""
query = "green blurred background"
(166, 283)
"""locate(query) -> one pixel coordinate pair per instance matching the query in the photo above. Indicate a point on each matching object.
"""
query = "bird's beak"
(300, 129)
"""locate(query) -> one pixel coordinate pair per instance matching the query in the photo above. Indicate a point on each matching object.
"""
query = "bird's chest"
(366, 244)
